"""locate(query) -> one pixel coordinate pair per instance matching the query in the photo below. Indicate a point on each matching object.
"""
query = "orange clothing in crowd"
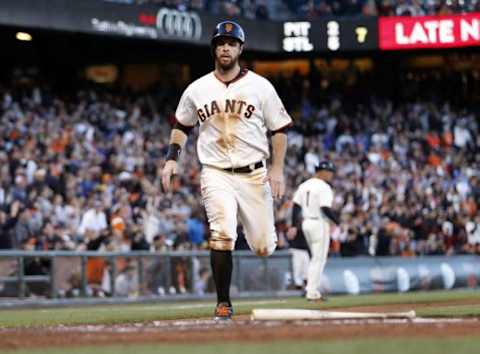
(433, 140)
(95, 268)
(435, 160)
(407, 253)
(385, 154)
(447, 138)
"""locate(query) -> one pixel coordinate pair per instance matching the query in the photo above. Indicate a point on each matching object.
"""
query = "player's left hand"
(277, 182)
(292, 233)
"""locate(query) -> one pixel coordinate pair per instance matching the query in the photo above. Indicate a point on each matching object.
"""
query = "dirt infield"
(242, 329)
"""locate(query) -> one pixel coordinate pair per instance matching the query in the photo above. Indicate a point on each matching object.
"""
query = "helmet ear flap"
(212, 50)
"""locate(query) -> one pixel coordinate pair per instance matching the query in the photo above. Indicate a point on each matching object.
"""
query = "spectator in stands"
(196, 228)
(93, 219)
(472, 228)
(49, 239)
(126, 283)
(23, 230)
(202, 285)
(8, 221)
(37, 266)
(230, 8)
(262, 12)
(408, 168)
(161, 244)
(5, 242)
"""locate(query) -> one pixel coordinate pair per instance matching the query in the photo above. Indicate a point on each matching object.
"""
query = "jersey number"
(308, 198)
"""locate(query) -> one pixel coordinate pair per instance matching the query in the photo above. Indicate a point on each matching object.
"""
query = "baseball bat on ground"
(300, 314)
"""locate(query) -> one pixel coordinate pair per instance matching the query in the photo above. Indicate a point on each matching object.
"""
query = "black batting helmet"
(228, 29)
(326, 165)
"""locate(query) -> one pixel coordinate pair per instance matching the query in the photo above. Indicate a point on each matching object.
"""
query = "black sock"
(222, 266)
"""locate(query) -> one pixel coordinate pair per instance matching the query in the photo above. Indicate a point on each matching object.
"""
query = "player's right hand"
(168, 171)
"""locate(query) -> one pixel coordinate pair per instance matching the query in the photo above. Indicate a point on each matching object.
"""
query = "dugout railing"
(49, 274)
(186, 275)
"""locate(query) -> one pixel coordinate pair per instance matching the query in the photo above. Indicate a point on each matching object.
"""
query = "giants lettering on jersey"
(232, 106)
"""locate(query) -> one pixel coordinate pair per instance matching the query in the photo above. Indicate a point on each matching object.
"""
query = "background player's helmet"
(228, 29)
(326, 165)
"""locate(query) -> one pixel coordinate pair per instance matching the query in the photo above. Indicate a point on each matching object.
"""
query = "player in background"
(235, 108)
(298, 248)
(312, 209)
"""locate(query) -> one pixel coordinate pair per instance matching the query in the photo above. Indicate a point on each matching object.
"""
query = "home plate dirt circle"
(243, 331)
(208, 324)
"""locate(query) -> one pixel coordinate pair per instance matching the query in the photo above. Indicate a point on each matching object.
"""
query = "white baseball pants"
(300, 262)
(246, 196)
(317, 234)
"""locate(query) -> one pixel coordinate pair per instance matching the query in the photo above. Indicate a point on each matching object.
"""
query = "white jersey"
(234, 118)
(312, 195)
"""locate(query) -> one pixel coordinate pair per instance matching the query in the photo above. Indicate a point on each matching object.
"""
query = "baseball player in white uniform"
(234, 108)
(312, 209)
(298, 248)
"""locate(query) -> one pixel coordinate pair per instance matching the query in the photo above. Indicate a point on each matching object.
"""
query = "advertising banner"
(396, 274)
(154, 22)
(429, 31)
(362, 275)
(151, 22)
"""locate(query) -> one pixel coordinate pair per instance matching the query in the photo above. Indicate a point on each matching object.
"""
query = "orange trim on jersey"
(242, 73)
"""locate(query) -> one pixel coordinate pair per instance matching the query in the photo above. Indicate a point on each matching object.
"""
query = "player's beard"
(229, 65)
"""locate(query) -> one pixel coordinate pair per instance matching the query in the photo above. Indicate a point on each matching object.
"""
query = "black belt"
(245, 169)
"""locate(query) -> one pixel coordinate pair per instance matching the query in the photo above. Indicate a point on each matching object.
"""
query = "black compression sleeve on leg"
(222, 266)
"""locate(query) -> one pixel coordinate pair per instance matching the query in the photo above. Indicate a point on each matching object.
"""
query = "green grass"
(450, 311)
(108, 314)
(464, 345)
(160, 311)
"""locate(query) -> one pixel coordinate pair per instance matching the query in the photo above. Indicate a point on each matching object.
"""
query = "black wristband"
(173, 152)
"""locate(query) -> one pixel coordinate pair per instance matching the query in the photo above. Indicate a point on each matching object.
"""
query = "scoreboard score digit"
(331, 35)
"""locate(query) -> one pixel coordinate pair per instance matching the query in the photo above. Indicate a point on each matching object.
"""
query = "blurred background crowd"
(81, 170)
(290, 9)
(85, 117)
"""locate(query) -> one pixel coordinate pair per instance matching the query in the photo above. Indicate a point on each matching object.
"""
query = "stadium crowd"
(318, 8)
(81, 172)
(251, 9)
(408, 181)
(289, 9)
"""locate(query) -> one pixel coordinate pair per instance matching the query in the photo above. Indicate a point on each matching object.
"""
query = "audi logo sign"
(166, 24)
(180, 25)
